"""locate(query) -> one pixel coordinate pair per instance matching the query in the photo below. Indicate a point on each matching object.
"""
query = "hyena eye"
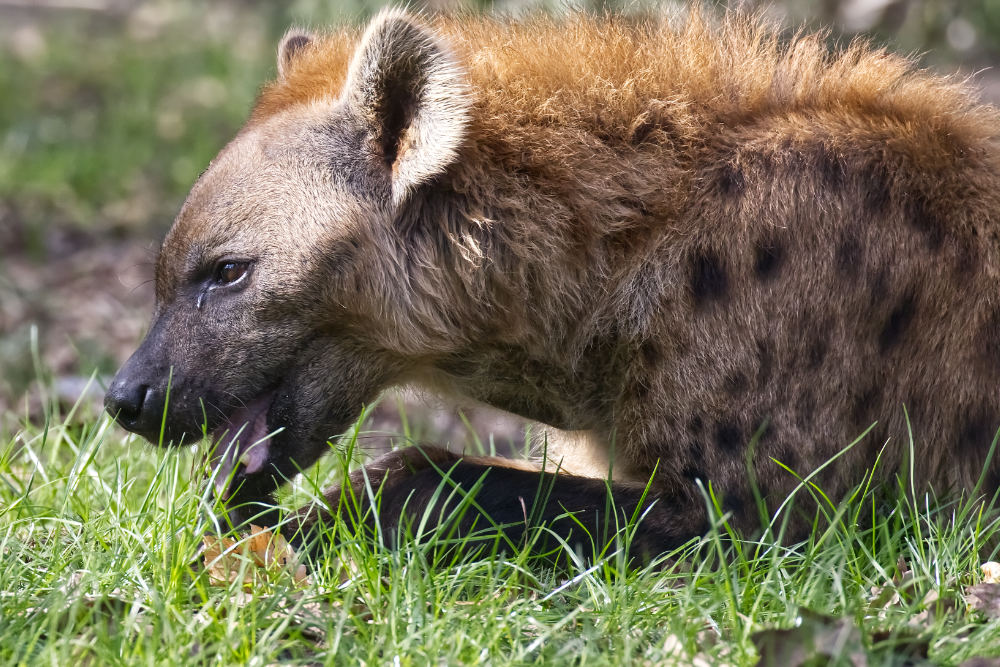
(228, 272)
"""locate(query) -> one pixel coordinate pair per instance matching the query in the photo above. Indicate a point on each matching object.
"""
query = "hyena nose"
(125, 402)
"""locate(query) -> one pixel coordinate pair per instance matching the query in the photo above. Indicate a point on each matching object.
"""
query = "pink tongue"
(241, 439)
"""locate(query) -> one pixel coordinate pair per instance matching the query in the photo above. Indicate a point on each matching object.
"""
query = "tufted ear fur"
(412, 97)
(292, 44)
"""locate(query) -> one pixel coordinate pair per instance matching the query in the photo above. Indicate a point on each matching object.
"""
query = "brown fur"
(667, 235)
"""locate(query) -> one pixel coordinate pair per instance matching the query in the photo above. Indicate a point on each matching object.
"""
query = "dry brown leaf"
(816, 639)
(262, 554)
(884, 598)
(900, 596)
(991, 572)
(905, 645)
(676, 654)
(984, 598)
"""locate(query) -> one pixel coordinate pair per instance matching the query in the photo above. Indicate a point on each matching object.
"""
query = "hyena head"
(284, 260)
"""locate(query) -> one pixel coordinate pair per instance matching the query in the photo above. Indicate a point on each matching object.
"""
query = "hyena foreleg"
(478, 502)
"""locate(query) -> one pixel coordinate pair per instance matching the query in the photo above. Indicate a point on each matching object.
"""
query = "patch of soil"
(81, 301)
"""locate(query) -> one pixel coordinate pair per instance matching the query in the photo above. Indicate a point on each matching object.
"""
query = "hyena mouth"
(243, 439)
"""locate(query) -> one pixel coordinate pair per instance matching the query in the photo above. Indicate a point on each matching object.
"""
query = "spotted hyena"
(669, 239)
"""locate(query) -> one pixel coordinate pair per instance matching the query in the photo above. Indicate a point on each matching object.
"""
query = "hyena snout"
(135, 402)
(142, 390)
(125, 401)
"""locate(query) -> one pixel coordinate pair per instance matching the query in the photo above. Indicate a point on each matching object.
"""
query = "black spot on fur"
(692, 472)
(899, 321)
(916, 408)
(805, 408)
(763, 490)
(732, 182)
(816, 352)
(768, 258)
(729, 438)
(737, 383)
(789, 457)
(991, 482)
(696, 453)
(734, 503)
(695, 426)
(650, 352)
(639, 390)
(709, 281)
(976, 432)
(792, 158)
(849, 255)
(765, 362)
(864, 410)
(764, 429)
(831, 168)
(989, 341)
(694, 467)
(878, 289)
(967, 262)
(926, 221)
(877, 192)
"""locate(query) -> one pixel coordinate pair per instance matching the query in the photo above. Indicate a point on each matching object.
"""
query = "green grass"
(100, 534)
(108, 121)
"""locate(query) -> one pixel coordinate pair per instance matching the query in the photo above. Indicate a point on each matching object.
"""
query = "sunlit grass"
(101, 537)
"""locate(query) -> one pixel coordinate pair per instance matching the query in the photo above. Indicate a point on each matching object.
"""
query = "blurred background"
(109, 109)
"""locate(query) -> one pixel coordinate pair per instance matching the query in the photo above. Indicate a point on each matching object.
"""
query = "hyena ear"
(412, 97)
(291, 46)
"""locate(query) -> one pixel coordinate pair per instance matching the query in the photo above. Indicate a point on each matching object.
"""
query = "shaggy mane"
(601, 74)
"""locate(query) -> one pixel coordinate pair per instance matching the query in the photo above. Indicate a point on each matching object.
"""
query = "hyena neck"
(511, 260)
(538, 311)
(555, 389)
